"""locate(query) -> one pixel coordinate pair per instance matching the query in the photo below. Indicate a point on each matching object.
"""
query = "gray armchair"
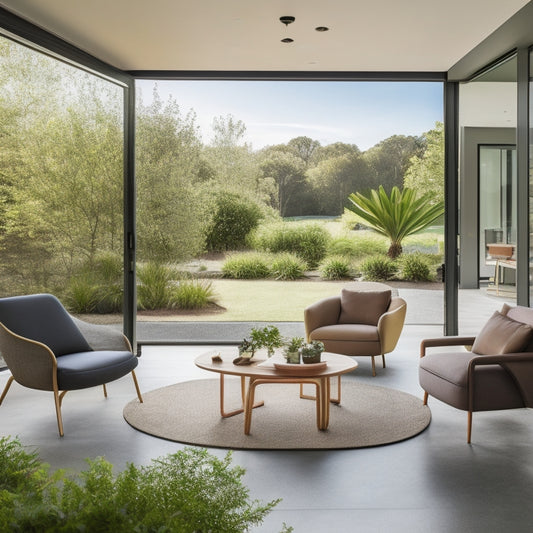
(47, 349)
(357, 323)
(494, 372)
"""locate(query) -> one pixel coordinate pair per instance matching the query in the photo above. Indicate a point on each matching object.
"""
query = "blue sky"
(361, 113)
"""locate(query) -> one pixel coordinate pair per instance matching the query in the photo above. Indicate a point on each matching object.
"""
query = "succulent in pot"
(311, 352)
(291, 349)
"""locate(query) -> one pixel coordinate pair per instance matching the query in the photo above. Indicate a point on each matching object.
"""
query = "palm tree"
(395, 216)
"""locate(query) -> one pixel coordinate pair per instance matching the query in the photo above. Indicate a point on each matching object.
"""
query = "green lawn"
(264, 300)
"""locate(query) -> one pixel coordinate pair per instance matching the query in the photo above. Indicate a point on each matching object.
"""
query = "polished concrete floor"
(434, 482)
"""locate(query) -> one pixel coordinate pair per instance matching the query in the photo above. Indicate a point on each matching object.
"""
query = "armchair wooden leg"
(383, 359)
(469, 428)
(105, 390)
(57, 401)
(137, 386)
(373, 366)
(61, 396)
(426, 398)
(6, 388)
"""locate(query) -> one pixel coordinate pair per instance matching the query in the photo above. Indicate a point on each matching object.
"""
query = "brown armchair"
(495, 371)
(357, 323)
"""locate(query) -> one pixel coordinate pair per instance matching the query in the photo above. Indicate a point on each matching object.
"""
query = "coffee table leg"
(248, 406)
(326, 383)
(225, 414)
(336, 400)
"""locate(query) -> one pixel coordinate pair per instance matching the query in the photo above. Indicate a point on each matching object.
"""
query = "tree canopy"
(425, 173)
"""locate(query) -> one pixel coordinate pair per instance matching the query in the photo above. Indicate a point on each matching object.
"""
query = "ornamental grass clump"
(358, 245)
(246, 265)
(378, 268)
(287, 266)
(97, 285)
(414, 267)
(307, 241)
(155, 287)
(192, 294)
(336, 267)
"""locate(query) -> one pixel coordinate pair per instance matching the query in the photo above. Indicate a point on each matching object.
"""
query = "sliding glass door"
(497, 210)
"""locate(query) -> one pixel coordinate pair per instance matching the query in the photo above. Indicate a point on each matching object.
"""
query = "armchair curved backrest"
(42, 318)
(357, 323)
(46, 349)
(495, 372)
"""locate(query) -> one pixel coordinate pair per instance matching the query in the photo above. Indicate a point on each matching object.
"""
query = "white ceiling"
(369, 35)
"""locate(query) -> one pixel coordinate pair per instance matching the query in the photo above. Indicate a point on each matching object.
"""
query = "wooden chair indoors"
(47, 349)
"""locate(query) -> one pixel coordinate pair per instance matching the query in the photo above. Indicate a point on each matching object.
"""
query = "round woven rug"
(189, 413)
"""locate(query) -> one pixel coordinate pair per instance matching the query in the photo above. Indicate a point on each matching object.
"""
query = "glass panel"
(487, 190)
(497, 215)
(61, 183)
(291, 152)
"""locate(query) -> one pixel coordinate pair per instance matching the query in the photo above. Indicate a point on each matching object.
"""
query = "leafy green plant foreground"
(188, 491)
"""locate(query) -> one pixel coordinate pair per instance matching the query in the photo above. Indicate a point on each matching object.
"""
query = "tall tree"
(389, 159)
(304, 148)
(336, 150)
(426, 172)
(170, 206)
(288, 172)
(334, 178)
(234, 164)
(61, 179)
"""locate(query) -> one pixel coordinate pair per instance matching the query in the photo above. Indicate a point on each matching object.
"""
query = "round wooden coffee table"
(263, 371)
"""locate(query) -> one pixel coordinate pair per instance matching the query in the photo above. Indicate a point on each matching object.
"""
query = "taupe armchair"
(493, 371)
(357, 323)
(47, 349)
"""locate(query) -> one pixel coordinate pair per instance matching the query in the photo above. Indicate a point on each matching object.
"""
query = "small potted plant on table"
(291, 349)
(311, 352)
(268, 337)
(247, 348)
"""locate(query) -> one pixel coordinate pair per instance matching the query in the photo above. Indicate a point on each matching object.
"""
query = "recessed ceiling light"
(322, 28)
(287, 40)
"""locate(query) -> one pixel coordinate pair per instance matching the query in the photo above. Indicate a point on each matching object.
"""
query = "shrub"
(378, 268)
(345, 246)
(287, 266)
(247, 265)
(82, 295)
(358, 245)
(414, 267)
(307, 241)
(192, 294)
(97, 286)
(155, 289)
(336, 267)
(233, 219)
(187, 491)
